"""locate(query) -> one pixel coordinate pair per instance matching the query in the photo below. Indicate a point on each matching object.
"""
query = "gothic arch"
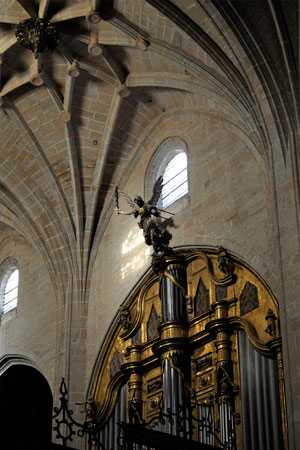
(26, 404)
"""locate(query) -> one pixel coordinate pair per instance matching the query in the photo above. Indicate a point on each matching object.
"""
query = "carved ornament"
(125, 317)
(37, 35)
(271, 326)
(154, 385)
(203, 363)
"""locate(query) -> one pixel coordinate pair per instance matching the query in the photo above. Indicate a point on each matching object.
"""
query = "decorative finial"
(125, 317)
(225, 264)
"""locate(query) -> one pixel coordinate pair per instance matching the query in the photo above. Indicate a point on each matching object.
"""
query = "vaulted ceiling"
(73, 120)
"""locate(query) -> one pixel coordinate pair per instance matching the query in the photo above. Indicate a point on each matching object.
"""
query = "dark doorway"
(25, 409)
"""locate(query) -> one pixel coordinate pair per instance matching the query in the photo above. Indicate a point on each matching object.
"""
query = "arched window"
(175, 180)
(9, 285)
(170, 161)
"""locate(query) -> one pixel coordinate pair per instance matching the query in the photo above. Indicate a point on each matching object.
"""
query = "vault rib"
(65, 52)
(73, 158)
(77, 195)
(69, 90)
(53, 92)
(13, 17)
(22, 221)
(75, 177)
(8, 41)
(70, 12)
(99, 169)
(103, 37)
(286, 53)
(16, 117)
(97, 72)
(14, 82)
(43, 8)
(27, 7)
(114, 66)
(95, 4)
(220, 83)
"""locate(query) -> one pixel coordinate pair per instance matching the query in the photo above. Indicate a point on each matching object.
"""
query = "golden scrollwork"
(136, 302)
(207, 340)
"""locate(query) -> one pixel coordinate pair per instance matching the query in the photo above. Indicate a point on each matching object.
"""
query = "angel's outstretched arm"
(123, 212)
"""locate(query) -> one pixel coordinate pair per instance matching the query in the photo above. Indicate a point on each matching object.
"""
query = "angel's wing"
(157, 188)
(128, 199)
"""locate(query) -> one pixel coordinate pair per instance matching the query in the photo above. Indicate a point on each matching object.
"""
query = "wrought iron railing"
(184, 422)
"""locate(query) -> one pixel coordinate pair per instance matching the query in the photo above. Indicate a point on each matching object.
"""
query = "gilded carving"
(154, 402)
(203, 363)
(91, 410)
(154, 385)
(153, 406)
(225, 263)
(137, 300)
(211, 339)
(204, 381)
(125, 317)
(271, 326)
(189, 304)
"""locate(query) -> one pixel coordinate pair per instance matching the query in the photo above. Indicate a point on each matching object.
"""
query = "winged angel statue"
(154, 229)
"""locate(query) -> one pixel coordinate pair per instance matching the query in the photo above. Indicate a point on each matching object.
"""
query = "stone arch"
(26, 404)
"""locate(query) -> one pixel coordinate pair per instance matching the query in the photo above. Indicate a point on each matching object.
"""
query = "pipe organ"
(194, 356)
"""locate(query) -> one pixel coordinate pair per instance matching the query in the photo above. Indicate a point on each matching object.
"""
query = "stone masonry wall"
(229, 203)
(30, 329)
